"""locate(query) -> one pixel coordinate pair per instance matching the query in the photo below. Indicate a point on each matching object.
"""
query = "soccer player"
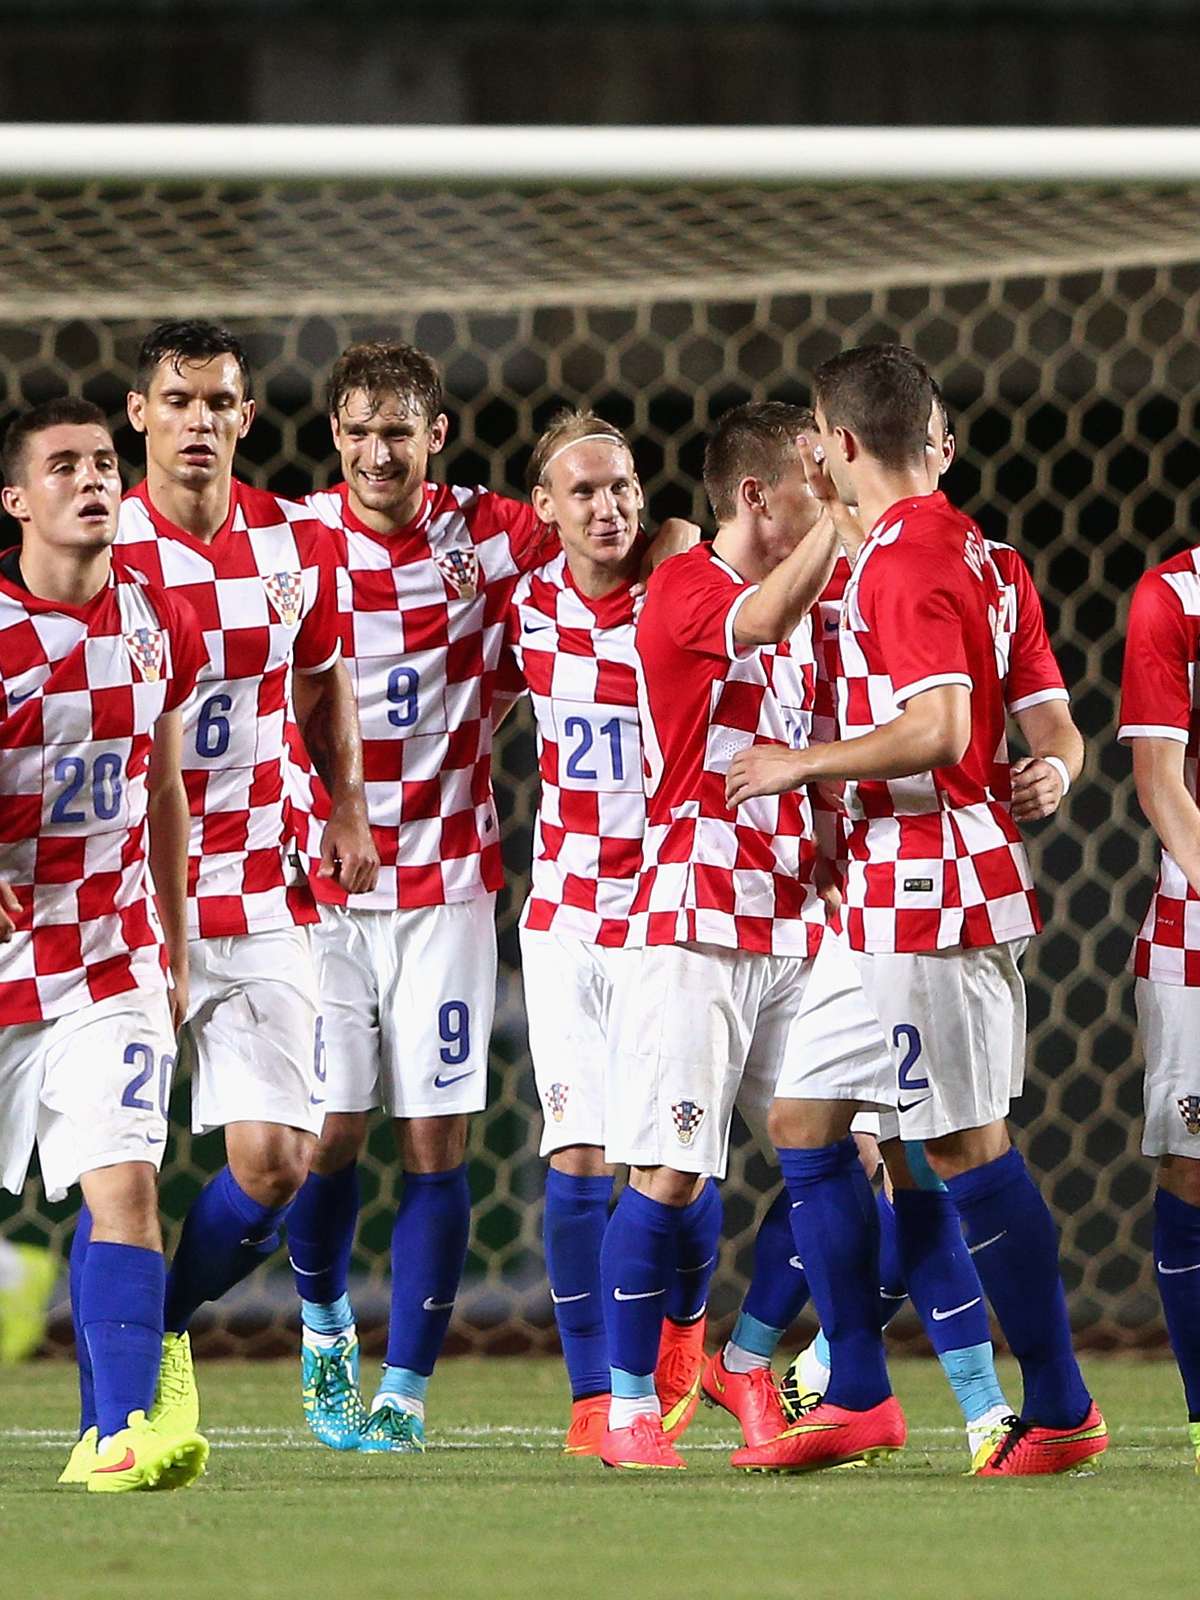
(94, 667)
(571, 629)
(733, 980)
(259, 581)
(408, 972)
(938, 895)
(1159, 719)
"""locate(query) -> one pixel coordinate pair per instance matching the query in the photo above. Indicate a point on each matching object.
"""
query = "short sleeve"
(918, 626)
(318, 641)
(1033, 674)
(188, 654)
(1160, 653)
(510, 680)
(697, 604)
(531, 542)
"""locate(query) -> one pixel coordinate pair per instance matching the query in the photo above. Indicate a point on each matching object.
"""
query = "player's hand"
(348, 853)
(675, 537)
(1037, 789)
(821, 486)
(10, 908)
(763, 769)
(177, 999)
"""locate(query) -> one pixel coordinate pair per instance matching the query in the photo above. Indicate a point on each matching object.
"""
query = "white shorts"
(955, 1023)
(568, 997)
(698, 1030)
(251, 1031)
(91, 1089)
(1169, 1024)
(407, 1000)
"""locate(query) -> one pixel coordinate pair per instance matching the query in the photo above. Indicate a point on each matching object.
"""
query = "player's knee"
(341, 1142)
(123, 1200)
(272, 1167)
(806, 1124)
(581, 1161)
(432, 1144)
(664, 1184)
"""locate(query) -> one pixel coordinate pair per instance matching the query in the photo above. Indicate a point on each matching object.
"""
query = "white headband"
(613, 438)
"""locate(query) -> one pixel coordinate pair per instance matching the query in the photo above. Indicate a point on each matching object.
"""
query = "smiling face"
(593, 497)
(67, 492)
(385, 444)
(193, 413)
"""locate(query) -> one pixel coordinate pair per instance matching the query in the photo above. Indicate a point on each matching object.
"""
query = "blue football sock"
(573, 1230)
(429, 1251)
(121, 1312)
(698, 1244)
(893, 1291)
(778, 1289)
(948, 1295)
(329, 1317)
(225, 1236)
(320, 1237)
(836, 1231)
(406, 1385)
(1176, 1252)
(637, 1263)
(1014, 1244)
(87, 1388)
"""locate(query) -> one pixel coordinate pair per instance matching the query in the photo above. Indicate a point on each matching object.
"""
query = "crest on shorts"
(285, 591)
(556, 1099)
(145, 646)
(1189, 1110)
(460, 568)
(687, 1117)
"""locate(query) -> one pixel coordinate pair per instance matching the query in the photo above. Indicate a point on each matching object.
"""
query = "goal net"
(1060, 317)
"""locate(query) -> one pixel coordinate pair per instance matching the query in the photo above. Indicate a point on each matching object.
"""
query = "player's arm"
(933, 730)
(788, 593)
(168, 823)
(10, 906)
(1055, 760)
(328, 721)
(1163, 794)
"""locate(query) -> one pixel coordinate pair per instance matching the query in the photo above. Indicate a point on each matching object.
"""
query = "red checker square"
(553, 839)
(714, 888)
(579, 892)
(481, 782)
(576, 642)
(383, 760)
(202, 598)
(464, 659)
(19, 1001)
(549, 763)
(425, 627)
(20, 816)
(997, 872)
(739, 705)
(261, 871)
(613, 933)
(917, 930)
(620, 858)
(880, 884)
(193, 874)
(538, 667)
(539, 914)
(56, 949)
(301, 904)
(921, 837)
(70, 674)
(579, 811)
(711, 795)
(195, 782)
(754, 933)
(678, 842)
(460, 837)
(1191, 969)
(462, 748)
(754, 852)
(660, 927)
(109, 978)
(616, 685)
(112, 712)
(266, 784)
(858, 703)
(139, 756)
(951, 886)
(247, 652)
(220, 915)
(420, 800)
(419, 886)
(272, 695)
(1141, 959)
(97, 895)
(60, 860)
(372, 590)
(135, 926)
(224, 831)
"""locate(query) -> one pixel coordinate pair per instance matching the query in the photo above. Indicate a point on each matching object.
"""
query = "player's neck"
(387, 521)
(739, 547)
(595, 580)
(202, 511)
(65, 577)
(879, 488)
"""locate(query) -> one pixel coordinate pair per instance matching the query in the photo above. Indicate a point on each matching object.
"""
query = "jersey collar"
(404, 531)
(166, 529)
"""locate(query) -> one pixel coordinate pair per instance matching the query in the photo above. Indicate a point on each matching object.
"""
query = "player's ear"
(750, 494)
(12, 498)
(847, 444)
(438, 429)
(248, 410)
(949, 451)
(639, 493)
(539, 499)
(135, 410)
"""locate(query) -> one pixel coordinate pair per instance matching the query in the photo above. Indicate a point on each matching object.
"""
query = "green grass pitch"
(493, 1510)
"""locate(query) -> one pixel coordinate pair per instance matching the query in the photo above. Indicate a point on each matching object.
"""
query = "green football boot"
(176, 1407)
(391, 1427)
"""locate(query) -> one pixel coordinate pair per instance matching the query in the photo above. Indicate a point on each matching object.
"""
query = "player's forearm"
(787, 594)
(168, 827)
(893, 751)
(328, 722)
(1048, 730)
(1172, 813)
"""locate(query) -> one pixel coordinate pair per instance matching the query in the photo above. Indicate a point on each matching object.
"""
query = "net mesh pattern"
(1062, 325)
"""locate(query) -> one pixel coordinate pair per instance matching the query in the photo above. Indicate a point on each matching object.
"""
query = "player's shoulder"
(172, 612)
(697, 568)
(1176, 572)
(135, 523)
(476, 512)
(541, 586)
(263, 508)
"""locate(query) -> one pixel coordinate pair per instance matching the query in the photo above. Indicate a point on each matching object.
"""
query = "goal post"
(1051, 278)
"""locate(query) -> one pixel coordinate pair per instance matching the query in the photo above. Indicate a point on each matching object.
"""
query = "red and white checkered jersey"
(577, 657)
(741, 879)
(1160, 699)
(936, 861)
(423, 611)
(264, 591)
(80, 691)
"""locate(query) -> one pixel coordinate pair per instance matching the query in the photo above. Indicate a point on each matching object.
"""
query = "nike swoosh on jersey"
(538, 628)
(430, 1304)
(568, 1299)
(974, 1249)
(942, 1316)
(911, 1105)
(1170, 1271)
(444, 1083)
(646, 1294)
(15, 699)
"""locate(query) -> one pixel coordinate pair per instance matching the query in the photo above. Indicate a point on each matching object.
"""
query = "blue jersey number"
(580, 729)
(142, 1056)
(212, 726)
(402, 686)
(105, 787)
(905, 1037)
(454, 1026)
